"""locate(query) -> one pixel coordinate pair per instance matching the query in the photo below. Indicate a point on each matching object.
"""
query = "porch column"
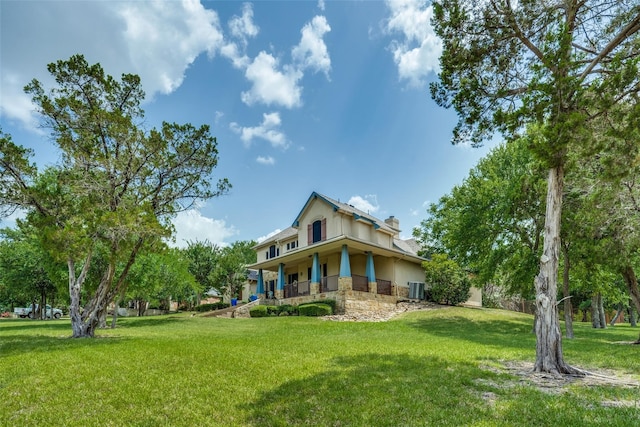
(371, 274)
(345, 265)
(345, 282)
(280, 287)
(314, 285)
(260, 288)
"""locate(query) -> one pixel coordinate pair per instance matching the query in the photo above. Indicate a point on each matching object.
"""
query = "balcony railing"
(329, 284)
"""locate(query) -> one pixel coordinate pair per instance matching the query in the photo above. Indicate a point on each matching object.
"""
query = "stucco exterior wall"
(406, 272)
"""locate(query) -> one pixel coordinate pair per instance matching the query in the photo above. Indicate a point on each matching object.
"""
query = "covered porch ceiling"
(333, 246)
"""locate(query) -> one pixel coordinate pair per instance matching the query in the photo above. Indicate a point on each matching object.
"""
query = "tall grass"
(441, 367)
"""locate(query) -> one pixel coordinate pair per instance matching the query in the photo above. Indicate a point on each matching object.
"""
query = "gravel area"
(383, 316)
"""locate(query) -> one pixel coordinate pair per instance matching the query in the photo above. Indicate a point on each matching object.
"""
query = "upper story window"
(273, 252)
(317, 231)
(292, 245)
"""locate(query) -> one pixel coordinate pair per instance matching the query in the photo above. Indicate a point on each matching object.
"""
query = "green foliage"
(287, 309)
(330, 302)
(315, 309)
(492, 223)
(117, 184)
(258, 311)
(447, 283)
(230, 273)
(211, 307)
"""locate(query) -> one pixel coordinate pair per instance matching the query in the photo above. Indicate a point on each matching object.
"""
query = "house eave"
(331, 246)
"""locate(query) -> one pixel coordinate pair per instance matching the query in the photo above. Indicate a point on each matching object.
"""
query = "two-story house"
(333, 250)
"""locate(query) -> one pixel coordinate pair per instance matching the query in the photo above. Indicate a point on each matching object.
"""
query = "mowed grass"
(431, 368)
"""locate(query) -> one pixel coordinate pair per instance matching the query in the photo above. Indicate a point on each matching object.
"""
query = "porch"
(331, 284)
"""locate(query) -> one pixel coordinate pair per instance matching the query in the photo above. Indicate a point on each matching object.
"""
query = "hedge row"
(211, 307)
(316, 308)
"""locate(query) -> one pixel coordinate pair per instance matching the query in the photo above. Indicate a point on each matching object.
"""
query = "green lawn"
(440, 367)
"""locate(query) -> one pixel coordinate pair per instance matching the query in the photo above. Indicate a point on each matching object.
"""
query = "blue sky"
(303, 96)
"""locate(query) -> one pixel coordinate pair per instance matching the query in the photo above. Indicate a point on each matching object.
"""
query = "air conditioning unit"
(416, 290)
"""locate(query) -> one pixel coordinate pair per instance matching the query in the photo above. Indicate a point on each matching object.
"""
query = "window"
(273, 252)
(317, 231)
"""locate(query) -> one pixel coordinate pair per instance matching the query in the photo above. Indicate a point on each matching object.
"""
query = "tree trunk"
(603, 317)
(632, 316)
(568, 307)
(80, 327)
(618, 314)
(548, 336)
(595, 314)
(631, 280)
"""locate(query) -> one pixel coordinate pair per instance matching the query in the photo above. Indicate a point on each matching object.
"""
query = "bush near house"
(212, 307)
(330, 302)
(259, 311)
(448, 282)
(315, 309)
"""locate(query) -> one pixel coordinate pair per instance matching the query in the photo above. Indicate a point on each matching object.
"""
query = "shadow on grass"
(374, 389)
(514, 334)
(146, 321)
(30, 344)
(401, 390)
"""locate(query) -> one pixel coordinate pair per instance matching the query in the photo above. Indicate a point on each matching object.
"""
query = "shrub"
(330, 302)
(315, 309)
(258, 311)
(273, 310)
(211, 307)
(287, 309)
(448, 282)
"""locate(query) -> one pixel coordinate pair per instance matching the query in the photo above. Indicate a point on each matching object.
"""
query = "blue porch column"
(371, 271)
(280, 287)
(345, 265)
(314, 284)
(260, 289)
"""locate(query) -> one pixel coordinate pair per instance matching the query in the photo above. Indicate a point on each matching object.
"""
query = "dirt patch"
(557, 384)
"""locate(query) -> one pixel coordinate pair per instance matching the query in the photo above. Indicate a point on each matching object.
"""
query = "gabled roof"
(345, 209)
(410, 246)
(283, 235)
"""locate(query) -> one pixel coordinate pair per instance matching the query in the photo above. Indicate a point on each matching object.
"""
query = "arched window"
(317, 231)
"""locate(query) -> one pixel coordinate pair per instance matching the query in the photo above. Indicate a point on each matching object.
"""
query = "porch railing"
(384, 286)
(297, 289)
(360, 283)
(329, 283)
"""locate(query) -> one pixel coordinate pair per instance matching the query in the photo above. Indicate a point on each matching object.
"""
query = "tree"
(117, 185)
(230, 273)
(553, 65)
(447, 282)
(492, 223)
(203, 259)
(27, 272)
(160, 277)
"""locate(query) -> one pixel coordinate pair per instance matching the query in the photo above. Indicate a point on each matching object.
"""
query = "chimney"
(393, 223)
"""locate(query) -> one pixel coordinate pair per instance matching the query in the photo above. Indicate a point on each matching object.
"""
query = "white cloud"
(267, 130)
(164, 38)
(157, 40)
(266, 160)
(368, 203)
(242, 27)
(414, 212)
(271, 86)
(191, 225)
(321, 5)
(418, 53)
(273, 233)
(312, 52)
